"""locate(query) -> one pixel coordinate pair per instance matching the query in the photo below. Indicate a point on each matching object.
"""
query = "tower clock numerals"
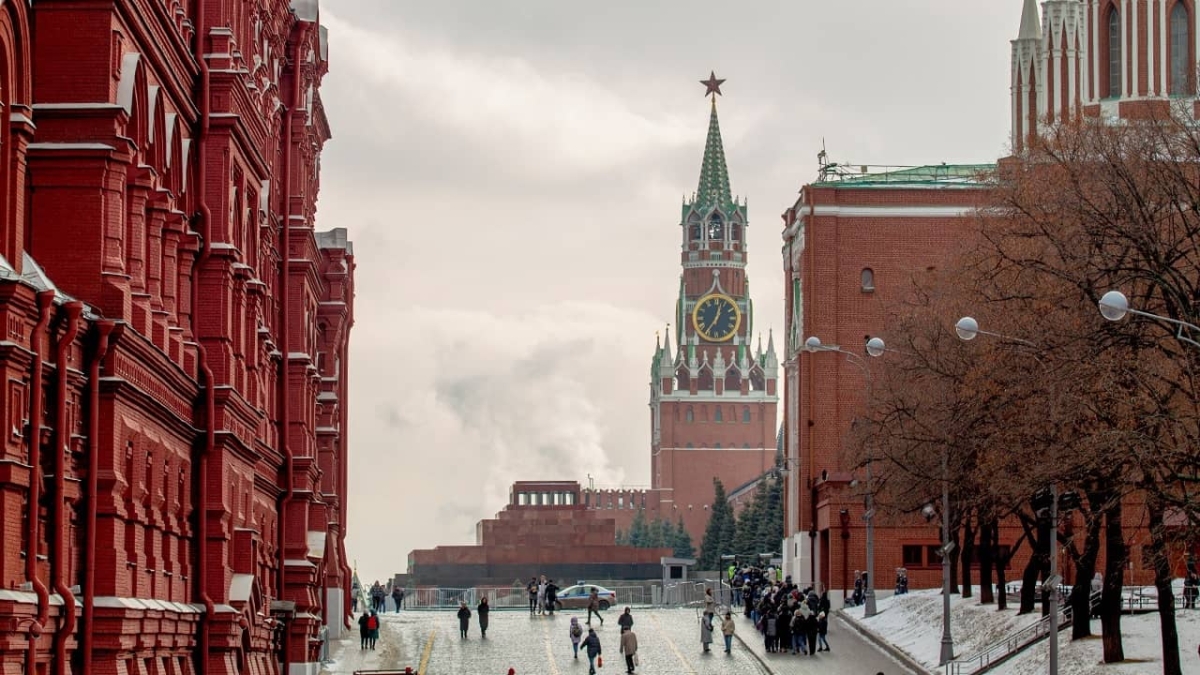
(716, 317)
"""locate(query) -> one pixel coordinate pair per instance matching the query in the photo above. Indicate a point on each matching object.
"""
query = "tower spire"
(714, 174)
(1031, 26)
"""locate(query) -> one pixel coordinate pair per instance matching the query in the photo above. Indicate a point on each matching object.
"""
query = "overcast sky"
(510, 172)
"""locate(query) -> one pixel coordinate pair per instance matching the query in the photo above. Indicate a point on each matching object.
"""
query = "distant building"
(544, 529)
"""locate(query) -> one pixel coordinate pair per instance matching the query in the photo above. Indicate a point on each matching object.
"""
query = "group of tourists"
(543, 595)
(377, 597)
(790, 618)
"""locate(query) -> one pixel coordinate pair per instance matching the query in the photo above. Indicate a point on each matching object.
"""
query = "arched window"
(746, 414)
(716, 446)
(695, 233)
(716, 228)
(868, 280)
(690, 446)
(735, 232)
(717, 415)
(1181, 61)
(691, 416)
(1114, 53)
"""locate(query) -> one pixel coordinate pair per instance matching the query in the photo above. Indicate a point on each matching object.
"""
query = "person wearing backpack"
(576, 633)
(372, 630)
(464, 619)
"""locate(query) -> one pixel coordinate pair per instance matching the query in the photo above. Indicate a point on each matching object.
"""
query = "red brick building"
(853, 239)
(544, 529)
(175, 341)
(852, 242)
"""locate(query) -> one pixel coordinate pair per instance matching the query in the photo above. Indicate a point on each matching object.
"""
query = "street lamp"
(967, 328)
(1114, 306)
(874, 347)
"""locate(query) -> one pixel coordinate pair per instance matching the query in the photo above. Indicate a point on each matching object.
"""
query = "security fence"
(648, 594)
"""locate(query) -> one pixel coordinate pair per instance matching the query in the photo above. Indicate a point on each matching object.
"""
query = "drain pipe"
(104, 341)
(301, 31)
(61, 447)
(45, 302)
(200, 466)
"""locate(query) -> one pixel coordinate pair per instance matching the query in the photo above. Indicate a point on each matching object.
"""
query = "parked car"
(576, 597)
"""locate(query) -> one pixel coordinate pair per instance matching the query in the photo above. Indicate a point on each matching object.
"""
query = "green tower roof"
(714, 174)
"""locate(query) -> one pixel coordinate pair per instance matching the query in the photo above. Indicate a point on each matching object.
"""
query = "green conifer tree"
(638, 532)
(682, 541)
(718, 535)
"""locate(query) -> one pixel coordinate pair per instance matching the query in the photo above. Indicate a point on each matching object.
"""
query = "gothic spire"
(714, 175)
(1031, 26)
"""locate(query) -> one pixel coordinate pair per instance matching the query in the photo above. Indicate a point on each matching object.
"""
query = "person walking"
(541, 595)
(464, 619)
(482, 610)
(532, 589)
(592, 645)
(727, 630)
(397, 597)
(811, 627)
(709, 603)
(822, 631)
(364, 633)
(576, 633)
(594, 606)
(629, 648)
(706, 630)
(626, 620)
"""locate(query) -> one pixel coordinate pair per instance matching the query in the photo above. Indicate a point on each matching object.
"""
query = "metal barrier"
(999, 651)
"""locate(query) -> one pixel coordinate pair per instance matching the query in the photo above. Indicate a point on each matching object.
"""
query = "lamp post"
(1114, 306)
(875, 347)
(967, 328)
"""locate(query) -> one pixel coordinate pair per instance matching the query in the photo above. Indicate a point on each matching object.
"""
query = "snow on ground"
(1141, 637)
(913, 624)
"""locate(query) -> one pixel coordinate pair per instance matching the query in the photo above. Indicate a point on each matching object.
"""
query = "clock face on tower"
(716, 317)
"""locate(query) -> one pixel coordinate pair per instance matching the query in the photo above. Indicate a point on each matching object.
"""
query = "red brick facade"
(851, 249)
(175, 350)
(545, 529)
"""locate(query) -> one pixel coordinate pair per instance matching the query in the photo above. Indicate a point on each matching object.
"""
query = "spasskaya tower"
(712, 397)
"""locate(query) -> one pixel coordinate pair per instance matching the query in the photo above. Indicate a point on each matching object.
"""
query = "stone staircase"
(1000, 651)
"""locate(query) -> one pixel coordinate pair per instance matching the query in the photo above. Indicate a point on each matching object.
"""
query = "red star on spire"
(712, 84)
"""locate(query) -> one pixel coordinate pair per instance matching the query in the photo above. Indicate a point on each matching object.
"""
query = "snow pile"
(1141, 637)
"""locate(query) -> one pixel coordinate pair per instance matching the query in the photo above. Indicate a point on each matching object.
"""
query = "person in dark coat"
(551, 596)
(397, 597)
(811, 627)
(364, 633)
(482, 610)
(464, 619)
(592, 644)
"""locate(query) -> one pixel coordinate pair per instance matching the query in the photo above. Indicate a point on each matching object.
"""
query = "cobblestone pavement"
(669, 642)
(849, 654)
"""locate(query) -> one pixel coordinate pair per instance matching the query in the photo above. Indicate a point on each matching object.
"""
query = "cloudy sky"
(511, 171)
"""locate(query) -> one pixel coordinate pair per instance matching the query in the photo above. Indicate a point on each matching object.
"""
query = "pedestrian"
(811, 626)
(629, 648)
(464, 619)
(402, 592)
(364, 633)
(626, 620)
(372, 630)
(397, 596)
(576, 633)
(709, 603)
(531, 588)
(541, 595)
(727, 630)
(551, 596)
(706, 630)
(822, 630)
(799, 641)
(592, 645)
(594, 606)
(482, 610)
